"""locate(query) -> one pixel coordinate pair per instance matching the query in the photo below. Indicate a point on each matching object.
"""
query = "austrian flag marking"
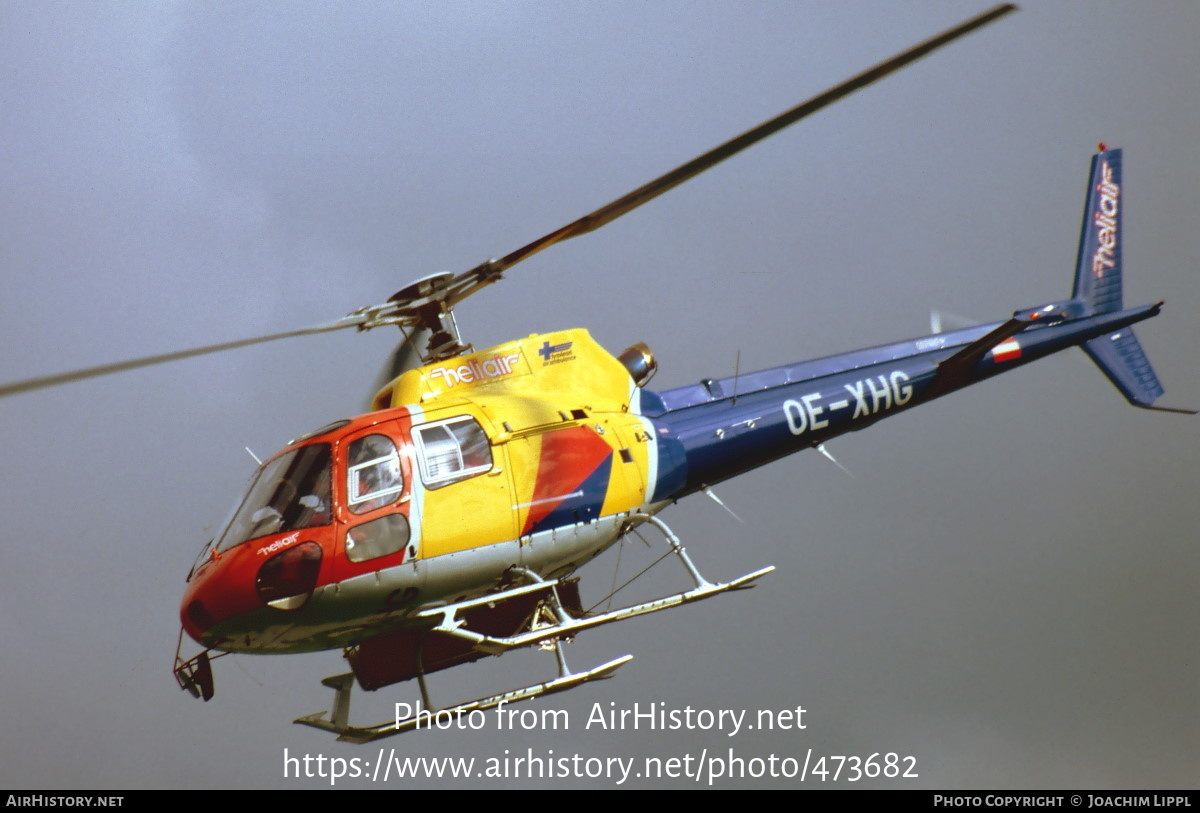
(1006, 351)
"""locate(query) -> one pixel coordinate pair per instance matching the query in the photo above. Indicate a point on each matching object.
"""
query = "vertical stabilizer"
(1119, 355)
(1098, 268)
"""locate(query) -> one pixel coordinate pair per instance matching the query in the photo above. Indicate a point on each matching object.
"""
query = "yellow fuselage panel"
(565, 448)
(567, 367)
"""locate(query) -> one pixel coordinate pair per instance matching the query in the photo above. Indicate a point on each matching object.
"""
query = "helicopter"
(437, 470)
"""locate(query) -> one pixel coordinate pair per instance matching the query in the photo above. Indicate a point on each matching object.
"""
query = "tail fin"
(1098, 284)
(1098, 267)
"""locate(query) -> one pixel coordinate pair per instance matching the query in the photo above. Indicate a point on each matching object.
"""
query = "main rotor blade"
(454, 288)
(620, 206)
(41, 382)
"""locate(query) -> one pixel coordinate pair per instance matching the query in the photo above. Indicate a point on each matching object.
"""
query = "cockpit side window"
(374, 478)
(451, 450)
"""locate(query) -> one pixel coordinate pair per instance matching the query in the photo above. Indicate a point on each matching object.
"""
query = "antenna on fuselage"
(829, 456)
(708, 492)
(737, 366)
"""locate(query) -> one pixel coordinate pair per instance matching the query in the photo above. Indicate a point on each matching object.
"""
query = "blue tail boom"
(713, 430)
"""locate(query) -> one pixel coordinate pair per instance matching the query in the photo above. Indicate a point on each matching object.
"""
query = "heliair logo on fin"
(1106, 220)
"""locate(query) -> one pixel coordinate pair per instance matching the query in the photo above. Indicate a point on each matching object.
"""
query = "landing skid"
(425, 718)
(567, 625)
(550, 624)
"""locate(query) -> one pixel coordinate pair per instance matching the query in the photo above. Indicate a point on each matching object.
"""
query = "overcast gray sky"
(1006, 588)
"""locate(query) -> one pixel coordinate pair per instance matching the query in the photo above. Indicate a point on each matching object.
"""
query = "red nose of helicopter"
(233, 601)
(267, 560)
(211, 612)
